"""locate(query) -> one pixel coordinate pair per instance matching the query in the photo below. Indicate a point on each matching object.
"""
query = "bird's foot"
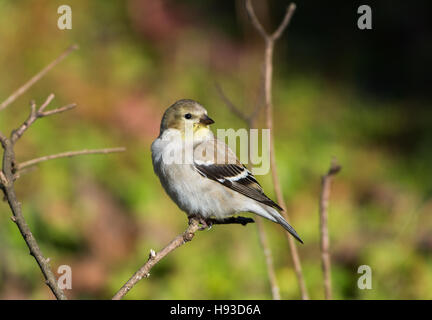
(205, 224)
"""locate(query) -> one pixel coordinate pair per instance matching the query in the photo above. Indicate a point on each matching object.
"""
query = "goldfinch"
(201, 174)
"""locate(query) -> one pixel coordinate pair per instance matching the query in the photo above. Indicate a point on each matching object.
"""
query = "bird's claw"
(205, 224)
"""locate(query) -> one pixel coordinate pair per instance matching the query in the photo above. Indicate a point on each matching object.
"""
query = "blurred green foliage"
(102, 214)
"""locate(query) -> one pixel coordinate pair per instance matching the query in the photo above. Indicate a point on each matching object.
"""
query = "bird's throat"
(200, 131)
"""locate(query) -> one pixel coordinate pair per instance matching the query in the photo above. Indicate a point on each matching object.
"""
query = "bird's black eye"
(188, 116)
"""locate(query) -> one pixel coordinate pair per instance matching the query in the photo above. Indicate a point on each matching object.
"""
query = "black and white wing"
(217, 162)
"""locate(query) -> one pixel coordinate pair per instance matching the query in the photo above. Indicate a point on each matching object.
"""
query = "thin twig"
(323, 212)
(250, 121)
(36, 114)
(8, 189)
(154, 258)
(68, 154)
(254, 19)
(268, 74)
(16, 134)
(271, 274)
(8, 173)
(58, 110)
(46, 103)
(285, 22)
(36, 78)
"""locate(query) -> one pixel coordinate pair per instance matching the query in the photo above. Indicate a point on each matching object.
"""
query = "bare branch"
(67, 154)
(154, 258)
(267, 79)
(254, 19)
(258, 26)
(40, 113)
(7, 177)
(16, 134)
(58, 110)
(37, 77)
(268, 259)
(8, 173)
(323, 212)
(285, 22)
(250, 122)
(46, 103)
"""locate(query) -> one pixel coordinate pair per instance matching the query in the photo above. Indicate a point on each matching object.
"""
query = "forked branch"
(36, 114)
(250, 120)
(9, 168)
(37, 77)
(68, 154)
(270, 40)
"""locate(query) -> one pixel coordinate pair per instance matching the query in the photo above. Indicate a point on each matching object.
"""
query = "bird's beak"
(206, 120)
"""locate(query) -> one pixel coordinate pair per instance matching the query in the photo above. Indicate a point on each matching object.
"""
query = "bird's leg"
(209, 223)
(205, 223)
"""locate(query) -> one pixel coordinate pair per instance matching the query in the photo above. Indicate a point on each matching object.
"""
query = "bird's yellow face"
(187, 114)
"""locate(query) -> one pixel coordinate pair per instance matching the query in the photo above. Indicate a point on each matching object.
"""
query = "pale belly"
(197, 195)
(193, 193)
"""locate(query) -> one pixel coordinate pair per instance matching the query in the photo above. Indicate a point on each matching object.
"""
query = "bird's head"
(185, 114)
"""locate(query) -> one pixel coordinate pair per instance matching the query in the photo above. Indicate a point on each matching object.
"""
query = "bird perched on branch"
(201, 174)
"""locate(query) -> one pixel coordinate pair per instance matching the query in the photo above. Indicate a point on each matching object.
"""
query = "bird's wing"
(214, 160)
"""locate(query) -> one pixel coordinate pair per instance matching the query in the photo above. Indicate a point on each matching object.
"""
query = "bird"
(201, 174)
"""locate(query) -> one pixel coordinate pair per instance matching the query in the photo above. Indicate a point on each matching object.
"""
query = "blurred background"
(363, 97)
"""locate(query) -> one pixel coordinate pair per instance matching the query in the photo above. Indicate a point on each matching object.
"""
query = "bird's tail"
(273, 215)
